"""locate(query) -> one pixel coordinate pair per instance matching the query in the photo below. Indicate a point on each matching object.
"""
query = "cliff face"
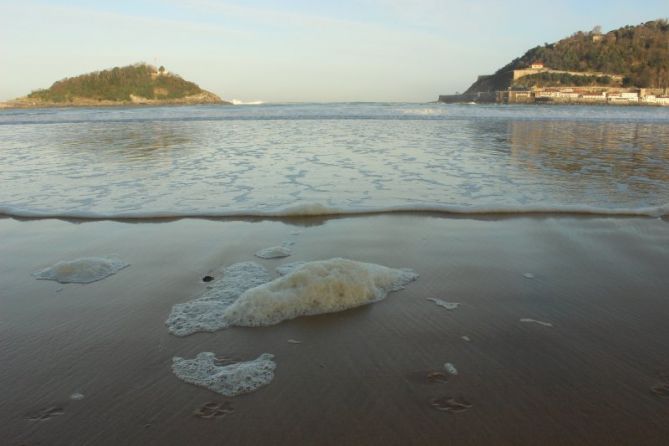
(138, 84)
(639, 54)
(498, 81)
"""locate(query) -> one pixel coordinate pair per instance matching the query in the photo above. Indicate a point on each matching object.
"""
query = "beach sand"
(358, 377)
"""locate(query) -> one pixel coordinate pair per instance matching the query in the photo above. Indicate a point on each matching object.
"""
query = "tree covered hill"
(639, 53)
(130, 84)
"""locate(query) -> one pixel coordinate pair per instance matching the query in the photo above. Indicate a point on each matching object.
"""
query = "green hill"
(640, 54)
(139, 83)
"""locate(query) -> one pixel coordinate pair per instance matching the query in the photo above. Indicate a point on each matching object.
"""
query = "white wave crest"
(240, 102)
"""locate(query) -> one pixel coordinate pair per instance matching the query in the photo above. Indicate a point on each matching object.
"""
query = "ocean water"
(285, 159)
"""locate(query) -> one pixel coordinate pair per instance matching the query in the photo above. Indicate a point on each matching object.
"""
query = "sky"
(295, 50)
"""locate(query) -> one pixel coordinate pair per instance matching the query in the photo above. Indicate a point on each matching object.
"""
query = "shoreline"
(575, 103)
(203, 98)
(317, 210)
(359, 376)
(12, 106)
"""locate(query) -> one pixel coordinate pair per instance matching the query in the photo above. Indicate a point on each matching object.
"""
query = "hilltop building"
(612, 93)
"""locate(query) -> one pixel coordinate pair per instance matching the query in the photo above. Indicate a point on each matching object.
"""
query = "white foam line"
(318, 210)
(442, 303)
(534, 321)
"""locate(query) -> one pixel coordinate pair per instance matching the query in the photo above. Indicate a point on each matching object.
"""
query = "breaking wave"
(240, 102)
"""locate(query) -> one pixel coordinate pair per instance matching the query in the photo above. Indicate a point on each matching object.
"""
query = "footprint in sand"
(450, 404)
(46, 414)
(661, 390)
(210, 410)
(437, 377)
(428, 377)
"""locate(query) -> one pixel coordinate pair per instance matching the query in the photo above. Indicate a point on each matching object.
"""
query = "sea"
(333, 158)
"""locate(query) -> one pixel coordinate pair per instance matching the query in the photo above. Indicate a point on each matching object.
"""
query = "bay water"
(296, 159)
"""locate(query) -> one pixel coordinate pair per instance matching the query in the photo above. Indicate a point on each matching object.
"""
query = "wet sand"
(360, 377)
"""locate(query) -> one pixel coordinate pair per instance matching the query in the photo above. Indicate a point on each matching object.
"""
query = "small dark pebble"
(207, 278)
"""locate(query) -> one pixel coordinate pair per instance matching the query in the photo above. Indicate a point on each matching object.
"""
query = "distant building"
(624, 97)
(536, 65)
(586, 95)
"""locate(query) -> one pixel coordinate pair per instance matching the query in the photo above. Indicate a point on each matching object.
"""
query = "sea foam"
(288, 268)
(228, 380)
(246, 297)
(242, 102)
(325, 286)
(274, 252)
(206, 313)
(83, 270)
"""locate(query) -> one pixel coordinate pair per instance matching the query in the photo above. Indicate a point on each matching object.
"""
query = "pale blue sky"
(364, 50)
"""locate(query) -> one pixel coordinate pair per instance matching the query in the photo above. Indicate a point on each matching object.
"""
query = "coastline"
(450, 99)
(359, 376)
(201, 99)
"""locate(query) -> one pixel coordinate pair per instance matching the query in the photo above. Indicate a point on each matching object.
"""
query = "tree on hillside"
(118, 84)
(639, 53)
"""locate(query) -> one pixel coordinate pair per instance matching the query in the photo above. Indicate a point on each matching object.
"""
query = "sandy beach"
(583, 374)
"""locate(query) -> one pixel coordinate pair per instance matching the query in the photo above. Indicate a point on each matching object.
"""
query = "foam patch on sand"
(450, 306)
(288, 268)
(246, 297)
(83, 270)
(206, 313)
(228, 380)
(274, 252)
(325, 286)
(450, 368)
(534, 321)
